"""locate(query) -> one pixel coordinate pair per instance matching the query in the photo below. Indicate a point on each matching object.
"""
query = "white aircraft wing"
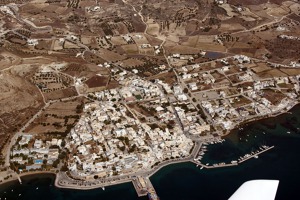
(256, 190)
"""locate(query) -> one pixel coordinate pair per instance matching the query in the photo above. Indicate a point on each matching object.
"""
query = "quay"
(141, 181)
(255, 154)
(19, 179)
(143, 186)
(140, 186)
(233, 163)
(214, 166)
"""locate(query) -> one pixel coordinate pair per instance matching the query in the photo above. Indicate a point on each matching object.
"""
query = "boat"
(152, 196)
(36, 188)
(103, 188)
(256, 156)
(202, 167)
(288, 132)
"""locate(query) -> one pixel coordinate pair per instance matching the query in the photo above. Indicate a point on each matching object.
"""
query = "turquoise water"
(187, 182)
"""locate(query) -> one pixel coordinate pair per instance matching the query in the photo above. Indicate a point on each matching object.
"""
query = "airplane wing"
(256, 190)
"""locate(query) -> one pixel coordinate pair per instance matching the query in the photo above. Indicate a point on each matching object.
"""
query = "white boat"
(256, 156)
(288, 132)
(202, 167)
(103, 188)
(36, 188)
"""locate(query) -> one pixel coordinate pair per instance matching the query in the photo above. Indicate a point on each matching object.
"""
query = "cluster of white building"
(108, 141)
(135, 88)
(39, 151)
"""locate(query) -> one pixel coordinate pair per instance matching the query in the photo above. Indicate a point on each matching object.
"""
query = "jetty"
(233, 163)
(255, 154)
(143, 186)
(19, 179)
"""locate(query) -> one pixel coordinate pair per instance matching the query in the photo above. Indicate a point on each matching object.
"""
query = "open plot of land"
(183, 50)
(261, 67)
(271, 73)
(130, 49)
(59, 94)
(58, 118)
(131, 62)
(291, 72)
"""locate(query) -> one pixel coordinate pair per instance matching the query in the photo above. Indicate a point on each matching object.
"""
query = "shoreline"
(22, 175)
(228, 132)
(92, 185)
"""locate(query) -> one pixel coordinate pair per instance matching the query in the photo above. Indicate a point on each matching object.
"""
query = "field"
(58, 118)
(19, 100)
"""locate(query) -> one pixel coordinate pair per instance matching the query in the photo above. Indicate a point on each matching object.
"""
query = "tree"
(55, 163)
(64, 168)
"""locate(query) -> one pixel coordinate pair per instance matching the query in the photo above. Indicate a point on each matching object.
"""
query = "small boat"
(256, 156)
(201, 167)
(288, 132)
(19, 194)
(103, 188)
(36, 188)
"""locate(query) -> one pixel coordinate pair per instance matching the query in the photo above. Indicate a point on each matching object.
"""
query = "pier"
(19, 179)
(248, 156)
(233, 163)
(143, 186)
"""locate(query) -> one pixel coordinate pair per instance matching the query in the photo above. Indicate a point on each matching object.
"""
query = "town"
(141, 125)
(107, 92)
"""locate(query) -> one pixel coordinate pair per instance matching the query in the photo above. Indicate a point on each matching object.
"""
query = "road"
(64, 181)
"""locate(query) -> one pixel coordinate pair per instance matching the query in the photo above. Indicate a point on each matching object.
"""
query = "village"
(142, 124)
(107, 92)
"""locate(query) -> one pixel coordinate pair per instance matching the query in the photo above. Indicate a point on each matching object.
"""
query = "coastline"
(148, 174)
(130, 177)
(228, 132)
(25, 174)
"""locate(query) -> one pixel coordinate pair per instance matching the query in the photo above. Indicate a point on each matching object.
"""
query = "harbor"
(143, 187)
(241, 159)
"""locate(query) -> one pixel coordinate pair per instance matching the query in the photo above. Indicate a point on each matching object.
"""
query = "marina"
(255, 154)
(241, 159)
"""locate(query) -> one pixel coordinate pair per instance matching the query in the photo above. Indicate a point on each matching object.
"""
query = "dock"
(19, 179)
(255, 154)
(143, 186)
(235, 163)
